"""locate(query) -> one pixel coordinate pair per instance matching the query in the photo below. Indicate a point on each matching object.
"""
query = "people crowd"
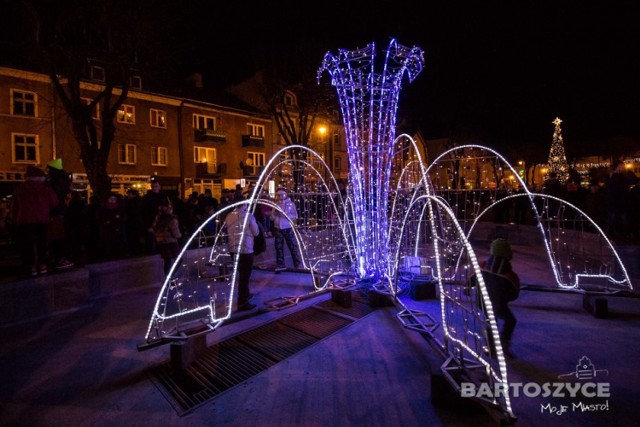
(57, 227)
(612, 202)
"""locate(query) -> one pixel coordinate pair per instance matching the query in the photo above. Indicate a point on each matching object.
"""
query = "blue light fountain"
(369, 101)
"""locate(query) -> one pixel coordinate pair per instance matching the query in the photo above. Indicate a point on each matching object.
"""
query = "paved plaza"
(83, 367)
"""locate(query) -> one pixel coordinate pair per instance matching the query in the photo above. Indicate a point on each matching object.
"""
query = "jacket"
(234, 222)
(280, 221)
(166, 228)
(33, 201)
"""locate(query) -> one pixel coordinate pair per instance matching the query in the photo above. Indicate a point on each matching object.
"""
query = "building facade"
(188, 145)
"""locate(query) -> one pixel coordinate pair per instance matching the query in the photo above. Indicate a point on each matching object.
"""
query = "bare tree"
(67, 35)
(295, 120)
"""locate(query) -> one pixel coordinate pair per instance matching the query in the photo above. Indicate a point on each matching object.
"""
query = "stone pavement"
(82, 367)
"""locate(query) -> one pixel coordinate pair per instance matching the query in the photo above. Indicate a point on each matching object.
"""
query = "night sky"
(497, 71)
(501, 71)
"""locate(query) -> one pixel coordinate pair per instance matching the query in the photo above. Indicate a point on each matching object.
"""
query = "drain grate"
(359, 307)
(235, 360)
(315, 323)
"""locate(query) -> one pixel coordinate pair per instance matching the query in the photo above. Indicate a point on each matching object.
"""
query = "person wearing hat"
(30, 211)
(58, 229)
(283, 229)
(502, 292)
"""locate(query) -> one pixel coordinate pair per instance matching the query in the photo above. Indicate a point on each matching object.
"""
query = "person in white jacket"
(241, 249)
(283, 231)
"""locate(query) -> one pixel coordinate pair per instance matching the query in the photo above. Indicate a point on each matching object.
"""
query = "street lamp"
(323, 130)
(522, 170)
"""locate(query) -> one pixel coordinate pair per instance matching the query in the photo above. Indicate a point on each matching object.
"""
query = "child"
(167, 232)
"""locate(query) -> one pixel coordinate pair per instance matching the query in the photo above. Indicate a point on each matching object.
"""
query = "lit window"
(255, 130)
(256, 161)
(127, 114)
(25, 148)
(204, 155)
(23, 103)
(208, 156)
(158, 118)
(126, 154)
(159, 156)
(95, 113)
(204, 122)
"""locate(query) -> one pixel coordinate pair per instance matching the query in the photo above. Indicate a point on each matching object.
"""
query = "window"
(336, 140)
(255, 130)
(204, 155)
(204, 122)
(159, 156)
(23, 103)
(135, 82)
(97, 73)
(95, 113)
(127, 114)
(158, 118)
(256, 161)
(25, 148)
(337, 163)
(314, 161)
(126, 154)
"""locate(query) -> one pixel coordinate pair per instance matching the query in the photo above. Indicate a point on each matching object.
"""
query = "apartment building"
(187, 143)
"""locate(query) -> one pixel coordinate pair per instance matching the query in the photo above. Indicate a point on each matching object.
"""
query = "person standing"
(283, 229)
(166, 229)
(134, 226)
(263, 214)
(112, 220)
(241, 249)
(58, 231)
(33, 201)
(617, 196)
(150, 203)
(74, 227)
(502, 293)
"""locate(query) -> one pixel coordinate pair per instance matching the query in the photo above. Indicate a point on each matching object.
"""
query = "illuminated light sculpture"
(369, 101)
(579, 252)
(557, 157)
(396, 210)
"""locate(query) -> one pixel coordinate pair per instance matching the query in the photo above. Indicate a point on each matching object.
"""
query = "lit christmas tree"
(557, 158)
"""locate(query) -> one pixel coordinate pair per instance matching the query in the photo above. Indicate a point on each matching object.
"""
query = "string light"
(368, 101)
(557, 162)
(395, 207)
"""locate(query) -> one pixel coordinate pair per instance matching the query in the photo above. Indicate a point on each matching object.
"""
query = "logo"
(582, 392)
(585, 370)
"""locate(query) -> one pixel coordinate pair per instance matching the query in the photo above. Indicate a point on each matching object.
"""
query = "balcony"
(202, 135)
(252, 141)
(204, 170)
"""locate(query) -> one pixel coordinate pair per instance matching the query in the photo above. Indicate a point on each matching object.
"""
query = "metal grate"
(235, 360)
(359, 307)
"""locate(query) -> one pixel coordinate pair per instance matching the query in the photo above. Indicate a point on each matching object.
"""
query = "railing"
(252, 141)
(210, 135)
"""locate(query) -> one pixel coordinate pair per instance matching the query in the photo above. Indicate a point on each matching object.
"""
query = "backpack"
(259, 242)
